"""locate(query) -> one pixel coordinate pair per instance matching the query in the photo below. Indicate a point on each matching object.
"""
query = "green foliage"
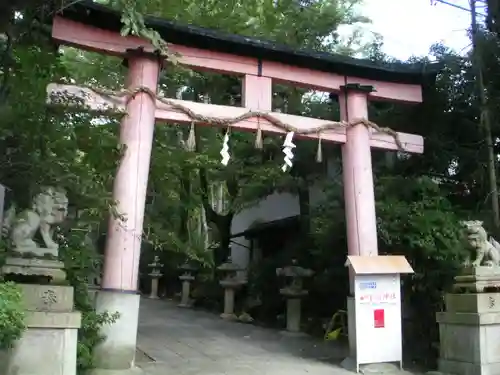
(82, 264)
(58, 147)
(134, 24)
(89, 336)
(207, 291)
(417, 221)
(308, 24)
(11, 314)
(260, 277)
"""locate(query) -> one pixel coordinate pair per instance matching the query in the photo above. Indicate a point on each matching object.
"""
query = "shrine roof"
(254, 231)
(109, 19)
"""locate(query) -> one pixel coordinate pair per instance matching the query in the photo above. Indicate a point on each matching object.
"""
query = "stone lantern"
(293, 292)
(155, 275)
(187, 277)
(230, 282)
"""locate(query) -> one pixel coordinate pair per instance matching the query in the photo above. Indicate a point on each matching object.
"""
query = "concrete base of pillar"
(351, 326)
(117, 352)
(229, 316)
(293, 334)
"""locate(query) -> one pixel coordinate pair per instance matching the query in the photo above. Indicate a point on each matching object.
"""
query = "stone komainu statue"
(487, 250)
(49, 207)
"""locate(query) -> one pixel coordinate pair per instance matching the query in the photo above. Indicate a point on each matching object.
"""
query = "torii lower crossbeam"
(94, 101)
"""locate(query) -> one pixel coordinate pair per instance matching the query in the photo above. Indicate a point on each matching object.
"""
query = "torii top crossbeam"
(205, 49)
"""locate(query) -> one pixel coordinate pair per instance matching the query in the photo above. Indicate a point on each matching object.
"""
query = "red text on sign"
(379, 297)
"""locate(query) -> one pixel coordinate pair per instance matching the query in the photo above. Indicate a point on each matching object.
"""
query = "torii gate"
(96, 28)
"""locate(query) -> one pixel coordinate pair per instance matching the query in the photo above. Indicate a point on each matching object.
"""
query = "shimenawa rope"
(227, 122)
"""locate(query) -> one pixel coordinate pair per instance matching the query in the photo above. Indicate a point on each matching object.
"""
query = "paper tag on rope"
(288, 146)
(225, 150)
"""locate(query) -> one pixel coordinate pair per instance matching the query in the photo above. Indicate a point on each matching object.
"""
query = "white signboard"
(378, 318)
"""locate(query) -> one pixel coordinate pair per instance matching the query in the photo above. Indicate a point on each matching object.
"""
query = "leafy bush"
(11, 314)
(417, 221)
(89, 336)
(82, 261)
(264, 286)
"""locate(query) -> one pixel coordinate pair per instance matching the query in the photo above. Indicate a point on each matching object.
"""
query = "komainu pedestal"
(43, 268)
(469, 329)
(49, 344)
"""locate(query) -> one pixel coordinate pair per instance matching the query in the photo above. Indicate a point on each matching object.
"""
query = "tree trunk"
(222, 222)
(185, 194)
(214, 203)
(184, 207)
(485, 120)
(305, 210)
(304, 221)
(390, 159)
(224, 228)
(204, 228)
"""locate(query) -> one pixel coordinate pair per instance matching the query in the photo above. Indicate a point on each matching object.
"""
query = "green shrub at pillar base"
(12, 323)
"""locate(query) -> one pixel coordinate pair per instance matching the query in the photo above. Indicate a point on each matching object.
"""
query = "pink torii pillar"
(359, 194)
(121, 265)
(357, 172)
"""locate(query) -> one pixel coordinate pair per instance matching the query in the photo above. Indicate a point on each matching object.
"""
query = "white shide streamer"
(288, 146)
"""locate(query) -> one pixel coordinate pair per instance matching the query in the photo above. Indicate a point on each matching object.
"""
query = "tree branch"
(232, 189)
(4, 61)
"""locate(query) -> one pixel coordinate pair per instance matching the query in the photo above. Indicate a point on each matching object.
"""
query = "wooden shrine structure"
(93, 27)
